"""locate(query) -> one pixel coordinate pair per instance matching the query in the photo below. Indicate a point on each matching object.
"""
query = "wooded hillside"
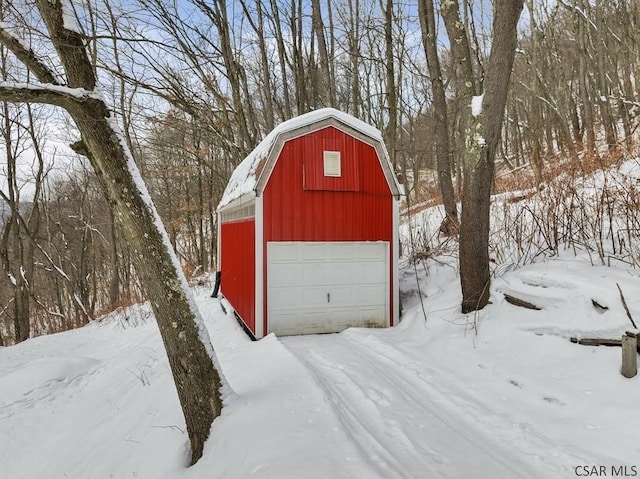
(197, 84)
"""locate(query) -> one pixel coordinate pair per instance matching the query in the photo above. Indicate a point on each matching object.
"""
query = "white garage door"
(325, 287)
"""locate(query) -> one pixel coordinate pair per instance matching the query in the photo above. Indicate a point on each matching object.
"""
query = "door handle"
(328, 297)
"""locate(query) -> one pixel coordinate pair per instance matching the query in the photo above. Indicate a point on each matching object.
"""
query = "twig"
(177, 428)
(626, 308)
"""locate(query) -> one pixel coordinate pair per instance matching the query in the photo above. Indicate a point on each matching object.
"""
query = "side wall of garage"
(237, 267)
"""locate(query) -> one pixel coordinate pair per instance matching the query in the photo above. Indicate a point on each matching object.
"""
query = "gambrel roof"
(251, 176)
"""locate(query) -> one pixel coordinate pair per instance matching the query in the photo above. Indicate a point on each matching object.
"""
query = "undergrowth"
(589, 206)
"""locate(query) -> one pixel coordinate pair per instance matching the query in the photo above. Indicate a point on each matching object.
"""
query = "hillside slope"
(436, 398)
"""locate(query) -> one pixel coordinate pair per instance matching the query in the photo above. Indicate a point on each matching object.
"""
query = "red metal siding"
(237, 264)
(329, 139)
(292, 213)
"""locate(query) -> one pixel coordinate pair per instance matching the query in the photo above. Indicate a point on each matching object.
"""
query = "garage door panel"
(371, 294)
(280, 253)
(340, 297)
(313, 297)
(343, 273)
(287, 299)
(316, 273)
(304, 321)
(370, 251)
(369, 272)
(341, 251)
(287, 320)
(313, 252)
(368, 317)
(288, 274)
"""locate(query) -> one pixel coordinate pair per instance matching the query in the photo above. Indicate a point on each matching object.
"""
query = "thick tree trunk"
(482, 141)
(460, 49)
(197, 381)
(465, 83)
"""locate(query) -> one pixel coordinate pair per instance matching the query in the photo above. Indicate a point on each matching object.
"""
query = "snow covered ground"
(500, 394)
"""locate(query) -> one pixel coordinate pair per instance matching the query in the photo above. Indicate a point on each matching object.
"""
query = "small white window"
(332, 163)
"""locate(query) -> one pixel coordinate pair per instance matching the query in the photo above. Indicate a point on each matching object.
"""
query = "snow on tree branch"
(69, 19)
(27, 56)
(47, 94)
(69, 44)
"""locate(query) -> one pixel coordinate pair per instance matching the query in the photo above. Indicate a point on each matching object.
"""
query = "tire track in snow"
(403, 427)
(533, 444)
(358, 412)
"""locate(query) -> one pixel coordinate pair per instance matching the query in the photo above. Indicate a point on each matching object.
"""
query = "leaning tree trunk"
(482, 141)
(197, 381)
(185, 338)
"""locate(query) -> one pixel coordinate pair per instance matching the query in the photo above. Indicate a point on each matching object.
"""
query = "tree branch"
(27, 56)
(46, 94)
(69, 44)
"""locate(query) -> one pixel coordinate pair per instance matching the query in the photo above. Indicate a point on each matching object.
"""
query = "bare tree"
(353, 38)
(189, 350)
(390, 83)
(482, 142)
(326, 88)
(19, 229)
(443, 150)
(258, 27)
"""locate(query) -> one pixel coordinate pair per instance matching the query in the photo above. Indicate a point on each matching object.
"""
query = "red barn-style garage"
(308, 229)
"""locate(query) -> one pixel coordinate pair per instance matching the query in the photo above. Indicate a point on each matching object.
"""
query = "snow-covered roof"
(245, 178)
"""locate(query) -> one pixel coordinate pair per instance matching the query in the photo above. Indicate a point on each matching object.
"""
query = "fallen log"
(600, 341)
(597, 341)
(520, 302)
